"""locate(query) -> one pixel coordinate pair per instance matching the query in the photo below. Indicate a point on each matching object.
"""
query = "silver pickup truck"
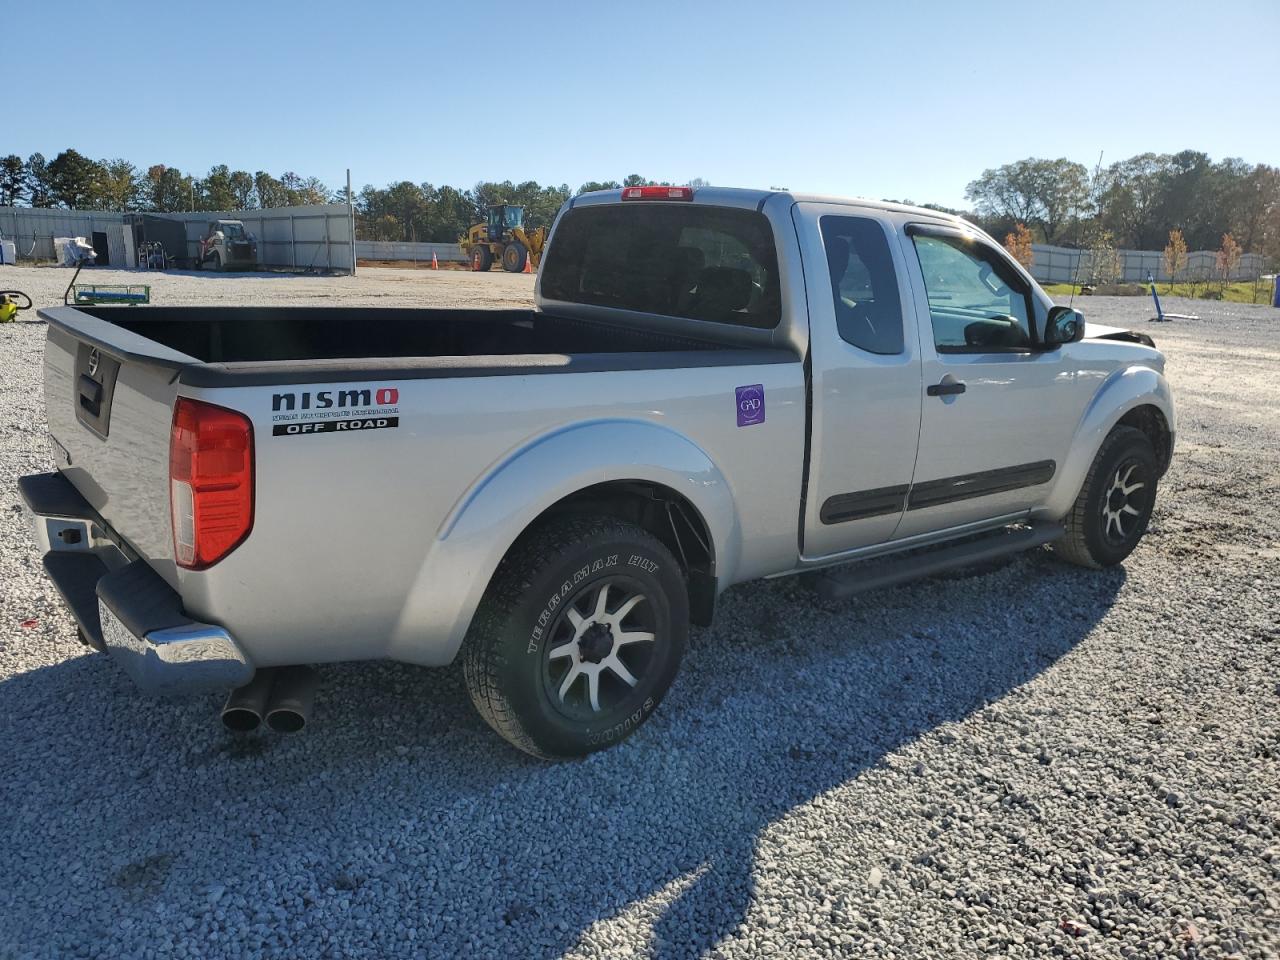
(715, 386)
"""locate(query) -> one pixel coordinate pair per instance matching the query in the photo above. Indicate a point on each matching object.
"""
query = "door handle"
(945, 389)
(90, 394)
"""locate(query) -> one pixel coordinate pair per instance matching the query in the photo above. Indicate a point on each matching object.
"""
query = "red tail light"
(657, 193)
(210, 482)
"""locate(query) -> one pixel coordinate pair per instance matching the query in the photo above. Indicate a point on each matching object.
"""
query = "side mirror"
(1063, 326)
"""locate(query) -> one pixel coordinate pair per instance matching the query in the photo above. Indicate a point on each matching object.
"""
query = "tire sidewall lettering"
(546, 614)
(623, 727)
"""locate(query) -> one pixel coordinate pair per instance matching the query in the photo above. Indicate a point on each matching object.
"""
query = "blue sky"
(906, 100)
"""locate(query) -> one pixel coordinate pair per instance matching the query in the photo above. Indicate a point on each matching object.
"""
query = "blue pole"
(1275, 298)
(1155, 296)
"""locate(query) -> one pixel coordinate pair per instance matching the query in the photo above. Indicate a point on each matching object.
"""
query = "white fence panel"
(303, 238)
(33, 230)
(1062, 265)
(299, 238)
(404, 250)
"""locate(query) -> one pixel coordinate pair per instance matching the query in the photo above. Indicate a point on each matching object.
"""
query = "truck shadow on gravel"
(399, 825)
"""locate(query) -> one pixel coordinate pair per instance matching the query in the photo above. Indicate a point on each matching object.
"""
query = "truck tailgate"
(109, 411)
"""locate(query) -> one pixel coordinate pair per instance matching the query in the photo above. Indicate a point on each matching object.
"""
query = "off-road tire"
(1086, 542)
(545, 574)
(481, 258)
(514, 257)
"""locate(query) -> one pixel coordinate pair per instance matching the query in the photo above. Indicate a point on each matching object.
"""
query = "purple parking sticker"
(750, 404)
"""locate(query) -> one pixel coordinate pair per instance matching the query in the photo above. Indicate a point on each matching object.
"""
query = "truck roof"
(740, 197)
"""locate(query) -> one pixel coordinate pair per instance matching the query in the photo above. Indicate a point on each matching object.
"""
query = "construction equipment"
(503, 238)
(226, 246)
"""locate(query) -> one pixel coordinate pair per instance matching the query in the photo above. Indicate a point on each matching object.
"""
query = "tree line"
(398, 211)
(75, 181)
(423, 212)
(1134, 204)
(1129, 204)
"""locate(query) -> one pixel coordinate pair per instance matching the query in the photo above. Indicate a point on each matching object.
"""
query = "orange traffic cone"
(435, 264)
(528, 263)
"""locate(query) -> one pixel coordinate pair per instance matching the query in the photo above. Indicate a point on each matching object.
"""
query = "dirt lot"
(1026, 761)
(371, 287)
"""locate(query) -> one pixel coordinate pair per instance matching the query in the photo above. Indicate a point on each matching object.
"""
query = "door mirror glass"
(1063, 326)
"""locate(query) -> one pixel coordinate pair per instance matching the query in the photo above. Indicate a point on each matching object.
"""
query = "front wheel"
(578, 637)
(514, 256)
(1114, 506)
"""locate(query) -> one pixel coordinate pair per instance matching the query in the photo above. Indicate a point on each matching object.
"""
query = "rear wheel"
(481, 258)
(1114, 506)
(514, 256)
(578, 637)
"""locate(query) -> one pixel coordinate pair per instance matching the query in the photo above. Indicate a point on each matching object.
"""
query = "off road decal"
(302, 412)
(334, 426)
(356, 397)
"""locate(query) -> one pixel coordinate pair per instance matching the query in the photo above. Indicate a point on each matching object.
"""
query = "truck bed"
(255, 334)
(222, 335)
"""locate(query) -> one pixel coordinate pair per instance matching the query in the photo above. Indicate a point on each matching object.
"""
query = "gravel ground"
(1030, 761)
(371, 287)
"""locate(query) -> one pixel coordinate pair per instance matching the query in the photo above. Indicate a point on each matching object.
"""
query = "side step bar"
(840, 582)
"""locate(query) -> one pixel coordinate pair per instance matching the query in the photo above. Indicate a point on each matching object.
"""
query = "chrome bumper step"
(122, 606)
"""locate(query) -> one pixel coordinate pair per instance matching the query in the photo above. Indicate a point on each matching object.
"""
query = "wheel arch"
(664, 512)
(1137, 396)
(1151, 420)
(648, 472)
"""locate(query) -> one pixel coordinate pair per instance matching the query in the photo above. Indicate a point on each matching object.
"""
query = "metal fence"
(1062, 265)
(315, 237)
(404, 250)
(33, 230)
(300, 238)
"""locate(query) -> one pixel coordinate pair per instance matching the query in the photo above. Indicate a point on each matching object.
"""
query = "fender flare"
(1125, 390)
(501, 505)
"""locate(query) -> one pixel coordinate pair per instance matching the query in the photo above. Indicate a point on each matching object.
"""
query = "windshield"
(232, 231)
(515, 217)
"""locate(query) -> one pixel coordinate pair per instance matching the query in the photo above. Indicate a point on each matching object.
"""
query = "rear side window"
(863, 284)
(673, 259)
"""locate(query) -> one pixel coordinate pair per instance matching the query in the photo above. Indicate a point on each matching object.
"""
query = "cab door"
(993, 432)
(865, 375)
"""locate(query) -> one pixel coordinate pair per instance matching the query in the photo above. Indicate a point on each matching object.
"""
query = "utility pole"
(351, 214)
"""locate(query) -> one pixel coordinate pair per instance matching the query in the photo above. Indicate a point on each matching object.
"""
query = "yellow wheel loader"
(503, 238)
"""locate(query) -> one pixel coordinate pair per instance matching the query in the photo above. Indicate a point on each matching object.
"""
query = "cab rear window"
(672, 259)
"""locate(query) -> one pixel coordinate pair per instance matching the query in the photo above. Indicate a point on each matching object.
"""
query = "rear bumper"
(121, 605)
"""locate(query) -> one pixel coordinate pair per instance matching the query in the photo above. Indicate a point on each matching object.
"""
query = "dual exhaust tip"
(282, 696)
